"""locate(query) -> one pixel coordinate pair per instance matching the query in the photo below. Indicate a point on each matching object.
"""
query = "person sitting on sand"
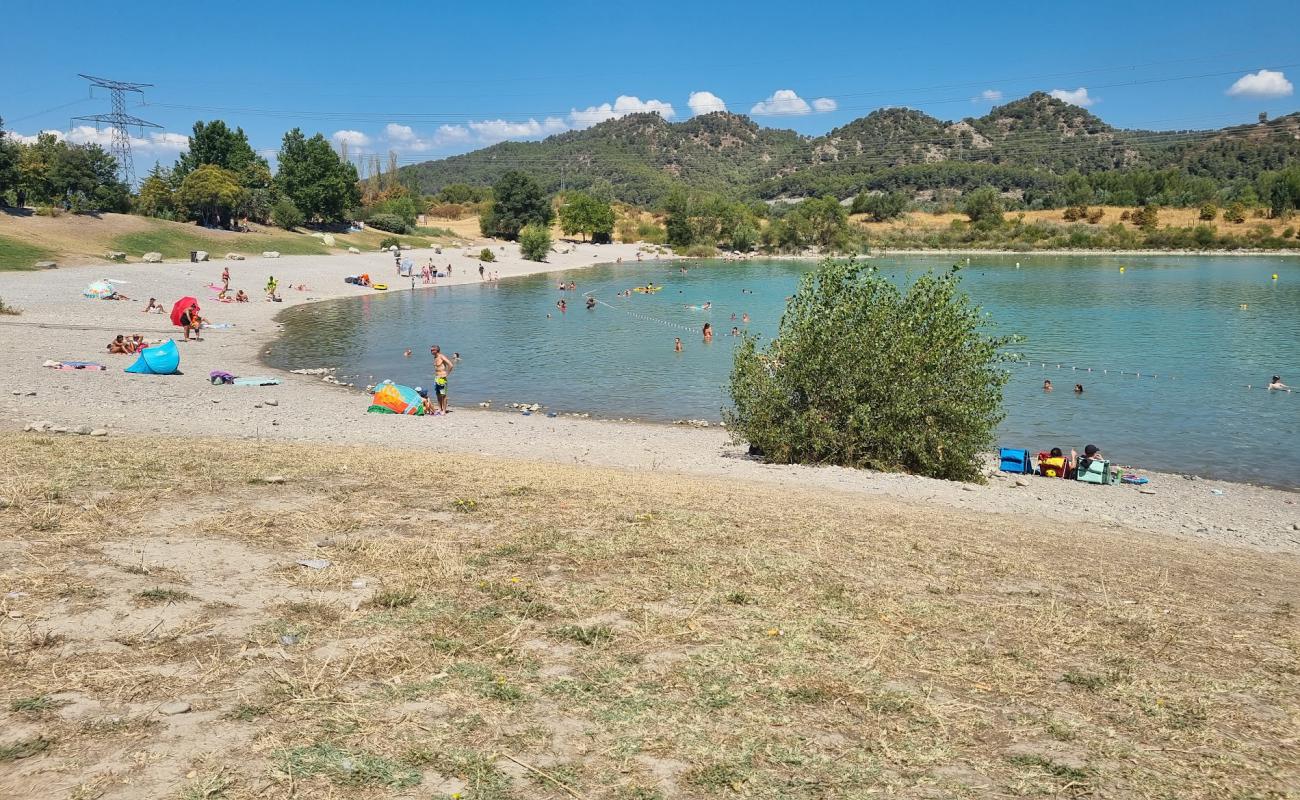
(1056, 465)
(138, 342)
(1277, 384)
(240, 297)
(154, 305)
(118, 346)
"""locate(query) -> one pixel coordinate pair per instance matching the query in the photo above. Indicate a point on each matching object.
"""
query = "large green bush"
(534, 242)
(286, 215)
(865, 374)
(388, 222)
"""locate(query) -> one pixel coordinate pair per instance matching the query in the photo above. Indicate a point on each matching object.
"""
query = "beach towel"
(1136, 480)
(74, 365)
(256, 381)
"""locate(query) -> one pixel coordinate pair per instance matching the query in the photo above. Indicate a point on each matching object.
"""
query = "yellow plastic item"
(380, 286)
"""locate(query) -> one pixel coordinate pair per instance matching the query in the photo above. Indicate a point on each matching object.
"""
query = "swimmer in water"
(745, 318)
(1277, 384)
(733, 316)
(735, 331)
(677, 345)
(563, 306)
(1047, 386)
(591, 303)
(1078, 388)
(407, 354)
(708, 332)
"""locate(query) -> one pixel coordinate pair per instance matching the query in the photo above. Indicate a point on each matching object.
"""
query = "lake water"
(1170, 347)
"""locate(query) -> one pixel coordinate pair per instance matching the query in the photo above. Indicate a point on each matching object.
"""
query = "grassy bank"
(482, 628)
(20, 255)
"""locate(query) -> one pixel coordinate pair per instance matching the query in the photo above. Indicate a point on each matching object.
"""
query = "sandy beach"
(58, 323)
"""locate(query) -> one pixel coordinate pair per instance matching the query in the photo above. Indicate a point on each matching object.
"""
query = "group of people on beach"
(127, 345)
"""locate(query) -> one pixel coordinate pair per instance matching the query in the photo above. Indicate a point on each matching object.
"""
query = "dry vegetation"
(500, 629)
(1177, 217)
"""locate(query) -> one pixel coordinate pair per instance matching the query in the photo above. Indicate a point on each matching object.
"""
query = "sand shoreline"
(58, 324)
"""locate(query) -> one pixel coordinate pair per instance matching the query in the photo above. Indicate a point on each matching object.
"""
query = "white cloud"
(155, 142)
(31, 139)
(399, 133)
(786, 103)
(705, 103)
(782, 101)
(496, 130)
(624, 105)
(1077, 97)
(1265, 83)
(988, 96)
(448, 134)
(168, 141)
(351, 138)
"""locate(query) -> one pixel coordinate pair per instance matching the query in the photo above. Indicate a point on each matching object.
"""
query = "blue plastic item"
(1015, 462)
(163, 359)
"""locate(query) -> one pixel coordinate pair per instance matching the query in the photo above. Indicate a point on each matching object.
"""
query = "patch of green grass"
(1063, 771)
(247, 712)
(346, 767)
(483, 781)
(176, 241)
(393, 598)
(161, 595)
(18, 255)
(35, 705)
(589, 634)
(718, 775)
(443, 233)
(24, 748)
(209, 787)
(1092, 681)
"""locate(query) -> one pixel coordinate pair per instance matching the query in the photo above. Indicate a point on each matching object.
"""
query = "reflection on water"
(1180, 319)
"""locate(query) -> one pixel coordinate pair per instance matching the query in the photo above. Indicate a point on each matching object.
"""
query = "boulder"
(270, 254)
(353, 250)
(327, 240)
(152, 258)
(46, 265)
(234, 257)
(406, 247)
(200, 255)
(115, 255)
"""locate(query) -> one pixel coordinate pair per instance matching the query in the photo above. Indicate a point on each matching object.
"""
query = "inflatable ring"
(380, 287)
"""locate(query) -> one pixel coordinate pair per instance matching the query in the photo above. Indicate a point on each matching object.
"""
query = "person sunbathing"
(118, 346)
(240, 297)
(154, 305)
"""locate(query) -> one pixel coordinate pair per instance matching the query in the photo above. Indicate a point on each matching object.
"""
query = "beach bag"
(1015, 462)
(1096, 471)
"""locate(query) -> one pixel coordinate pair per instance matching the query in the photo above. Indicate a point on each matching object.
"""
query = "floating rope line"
(1127, 373)
(644, 317)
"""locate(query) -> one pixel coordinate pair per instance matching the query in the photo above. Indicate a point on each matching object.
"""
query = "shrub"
(534, 242)
(1075, 213)
(388, 222)
(1235, 213)
(286, 215)
(865, 374)
(389, 241)
(486, 254)
(651, 233)
(984, 205)
(1203, 235)
(626, 230)
(1208, 212)
(1095, 215)
(702, 250)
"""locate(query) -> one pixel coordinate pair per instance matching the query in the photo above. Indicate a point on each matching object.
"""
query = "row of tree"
(221, 179)
(54, 172)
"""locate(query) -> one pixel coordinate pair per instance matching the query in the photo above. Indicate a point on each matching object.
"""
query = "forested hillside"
(1036, 149)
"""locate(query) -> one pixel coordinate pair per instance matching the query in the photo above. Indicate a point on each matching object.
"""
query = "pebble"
(968, 488)
(288, 639)
(82, 430)
(273, 479)
(314, 563)
(359, 583)
(1021, 482)
(173, 708)
(1146, 491)
(271, 402)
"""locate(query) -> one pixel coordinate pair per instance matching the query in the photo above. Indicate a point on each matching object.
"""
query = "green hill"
(1027, 146)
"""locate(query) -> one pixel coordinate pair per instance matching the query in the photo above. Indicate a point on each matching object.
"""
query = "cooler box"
(1093, 471)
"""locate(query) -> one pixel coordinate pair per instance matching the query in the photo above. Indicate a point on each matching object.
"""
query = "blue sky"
(429, 79)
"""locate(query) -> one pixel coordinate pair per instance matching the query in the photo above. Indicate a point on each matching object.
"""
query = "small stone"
(59, 429)
(968, 488)
(314, 563)
(271, 402)
(99, 432)
(46, 265)
(16, 615)
(359, 583)
(1021, 482)
(82, 430)
(1146, 491)
(270, 254)
(289, 639)
(273, 479)
(173, 708)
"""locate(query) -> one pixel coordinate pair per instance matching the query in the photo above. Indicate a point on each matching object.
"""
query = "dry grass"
(1177, 217)
(599, 634)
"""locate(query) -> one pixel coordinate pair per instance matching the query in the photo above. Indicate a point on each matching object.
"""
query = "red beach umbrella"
(183, 305)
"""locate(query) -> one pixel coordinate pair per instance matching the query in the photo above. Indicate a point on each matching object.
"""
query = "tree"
(583, 214)
(534, 242)
(1208, 212)
(211, 195)
(286, 215)
(880, 206)
(216, 144)
(1147, 217)
(9, 155)
(311, 174)
(156, 198)
(984, 205)
(517, 200)
(1235, 213)
(865, 374)
(827, 220)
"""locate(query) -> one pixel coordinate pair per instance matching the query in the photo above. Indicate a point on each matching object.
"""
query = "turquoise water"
(1175, 321)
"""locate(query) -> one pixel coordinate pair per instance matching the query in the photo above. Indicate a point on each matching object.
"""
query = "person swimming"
(745, 318)
(1078, 388)
(1047, 386)
(1277, 384)
(708, 332)
(591, 303)
(677, 345)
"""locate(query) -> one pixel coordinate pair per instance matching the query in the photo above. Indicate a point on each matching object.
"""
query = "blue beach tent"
(163, 359)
